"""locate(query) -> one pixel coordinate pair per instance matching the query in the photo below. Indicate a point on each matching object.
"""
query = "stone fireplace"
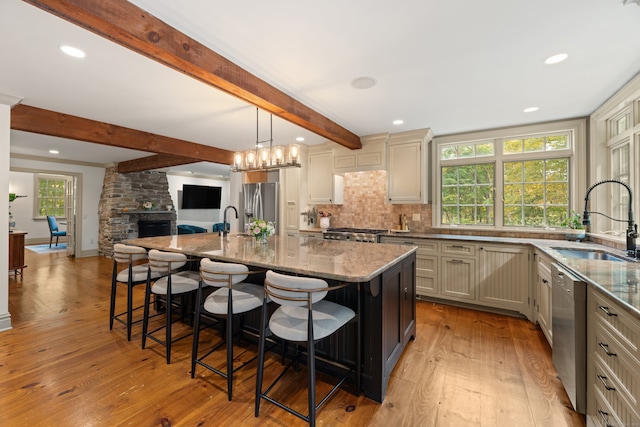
(121, 209)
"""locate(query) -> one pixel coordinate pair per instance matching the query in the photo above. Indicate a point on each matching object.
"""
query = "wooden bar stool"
(304, 317)
(173, 283)
(232, 296)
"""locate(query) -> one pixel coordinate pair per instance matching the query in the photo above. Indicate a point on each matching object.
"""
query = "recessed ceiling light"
(530, 109)
(363, 82)
(556, 58)
(72, 51)
(54, 152)
(398, 122)
(299, 139)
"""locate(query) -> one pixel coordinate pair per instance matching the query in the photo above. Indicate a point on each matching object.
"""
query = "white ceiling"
(452, 66)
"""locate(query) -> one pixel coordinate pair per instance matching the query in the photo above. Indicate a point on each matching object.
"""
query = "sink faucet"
(225, 231)
(632, 228)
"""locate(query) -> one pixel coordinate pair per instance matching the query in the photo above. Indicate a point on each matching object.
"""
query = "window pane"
(533, 144)
(484, 149)
(557, 142)
(513, 194)
(465, 200)
(534, 171)
(513, 215)
(513, 172)
(448, 153)
(537, 192)
(533, 216)
(450, 215)
(512, 146)
(51, 197)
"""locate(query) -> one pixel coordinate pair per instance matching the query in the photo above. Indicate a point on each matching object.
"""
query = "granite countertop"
(327, 259)
(618, 280)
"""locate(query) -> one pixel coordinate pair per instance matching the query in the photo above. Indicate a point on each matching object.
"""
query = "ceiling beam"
(153, 162)
(46, 122)
(135, 29)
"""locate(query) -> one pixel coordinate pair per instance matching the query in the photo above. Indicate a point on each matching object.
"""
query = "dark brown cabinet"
(16, 251)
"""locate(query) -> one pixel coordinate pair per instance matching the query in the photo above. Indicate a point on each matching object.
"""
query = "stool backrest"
(126, 254)
(165, 262)
(222, 274)
(293, 290)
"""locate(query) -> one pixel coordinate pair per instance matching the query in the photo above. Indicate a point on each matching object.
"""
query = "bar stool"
(172, 284)
(134, 274)
(233, 296)
(304, 317)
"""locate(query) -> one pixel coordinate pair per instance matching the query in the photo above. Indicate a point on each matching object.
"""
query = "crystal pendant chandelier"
(266, 158)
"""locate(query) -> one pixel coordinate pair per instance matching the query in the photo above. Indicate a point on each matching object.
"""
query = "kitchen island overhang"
(383, 278)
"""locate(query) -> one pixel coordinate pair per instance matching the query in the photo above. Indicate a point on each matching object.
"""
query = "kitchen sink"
(593, 254)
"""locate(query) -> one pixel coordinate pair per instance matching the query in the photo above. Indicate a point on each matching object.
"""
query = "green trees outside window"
(51, 197)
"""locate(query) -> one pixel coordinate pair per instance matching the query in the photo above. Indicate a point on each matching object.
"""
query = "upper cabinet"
(325, 187)
(407, 162)
(370, 157)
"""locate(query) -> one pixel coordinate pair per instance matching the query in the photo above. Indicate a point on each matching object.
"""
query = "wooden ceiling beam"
(153, 162)
(135, 29)
(46, 122)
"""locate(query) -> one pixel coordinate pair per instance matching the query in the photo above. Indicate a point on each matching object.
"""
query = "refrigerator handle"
(258, 204)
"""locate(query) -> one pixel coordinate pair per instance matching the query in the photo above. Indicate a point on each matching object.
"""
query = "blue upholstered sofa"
(190, 229)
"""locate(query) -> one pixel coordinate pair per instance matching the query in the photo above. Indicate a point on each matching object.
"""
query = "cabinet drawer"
(612, 361)
(425, 246)
(458, 249)
(624, 328)
(603, 415)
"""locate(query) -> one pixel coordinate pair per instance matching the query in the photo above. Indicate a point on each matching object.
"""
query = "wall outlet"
(415, 217)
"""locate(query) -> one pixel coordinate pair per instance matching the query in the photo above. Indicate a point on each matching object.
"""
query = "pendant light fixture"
(266, 158)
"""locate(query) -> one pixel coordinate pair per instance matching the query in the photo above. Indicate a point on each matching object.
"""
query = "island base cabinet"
(390, 307)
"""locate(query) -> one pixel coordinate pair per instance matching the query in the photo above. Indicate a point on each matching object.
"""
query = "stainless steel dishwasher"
(569, 325)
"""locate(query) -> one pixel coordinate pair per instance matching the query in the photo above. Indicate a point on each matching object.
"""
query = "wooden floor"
(62, 366)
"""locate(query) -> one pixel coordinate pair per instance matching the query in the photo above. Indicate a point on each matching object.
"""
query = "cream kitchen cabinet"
(542, 302)
(458, 271)
(504, 277)
(407, 167)
(372, 156)
(290, 179)
(325, 187)
(426, 263)
(613, 366)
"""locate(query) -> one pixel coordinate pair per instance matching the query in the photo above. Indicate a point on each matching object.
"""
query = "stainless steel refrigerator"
(260, 200)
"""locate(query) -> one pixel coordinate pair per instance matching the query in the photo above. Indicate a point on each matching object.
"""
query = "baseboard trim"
(5, 322)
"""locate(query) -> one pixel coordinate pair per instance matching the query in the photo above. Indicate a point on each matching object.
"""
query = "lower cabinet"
(493, 275)
(542, 303)
(458, 278)
(613, 366)
(504, 276)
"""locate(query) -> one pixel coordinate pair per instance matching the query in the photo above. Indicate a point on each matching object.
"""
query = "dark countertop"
(327, 259)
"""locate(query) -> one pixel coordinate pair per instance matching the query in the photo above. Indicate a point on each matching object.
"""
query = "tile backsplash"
(365, 205)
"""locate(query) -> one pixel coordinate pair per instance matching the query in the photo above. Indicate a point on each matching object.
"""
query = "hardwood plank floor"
(61, 365)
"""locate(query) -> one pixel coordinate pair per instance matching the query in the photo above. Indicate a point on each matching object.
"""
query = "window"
(530, 175)
(50, 195)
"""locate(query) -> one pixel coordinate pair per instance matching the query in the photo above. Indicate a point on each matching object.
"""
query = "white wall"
(91, 187)
(5, 119)
(201, 217)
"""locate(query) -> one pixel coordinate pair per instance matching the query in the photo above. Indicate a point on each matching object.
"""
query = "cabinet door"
(543, 295)
(320, 178)
(291, 197)
(404, 175)
(458, 278)
(408, 301)
(504, 277)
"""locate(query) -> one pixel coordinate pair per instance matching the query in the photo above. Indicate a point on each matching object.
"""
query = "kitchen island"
(383, 278)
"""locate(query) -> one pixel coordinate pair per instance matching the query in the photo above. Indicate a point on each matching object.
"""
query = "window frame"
(36, 191)
(576, 129)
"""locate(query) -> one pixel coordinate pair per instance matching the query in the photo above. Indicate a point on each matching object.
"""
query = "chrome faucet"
(632, 228)
(225, 231)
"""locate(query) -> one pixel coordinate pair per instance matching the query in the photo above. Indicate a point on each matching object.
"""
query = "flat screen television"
(200, 197)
